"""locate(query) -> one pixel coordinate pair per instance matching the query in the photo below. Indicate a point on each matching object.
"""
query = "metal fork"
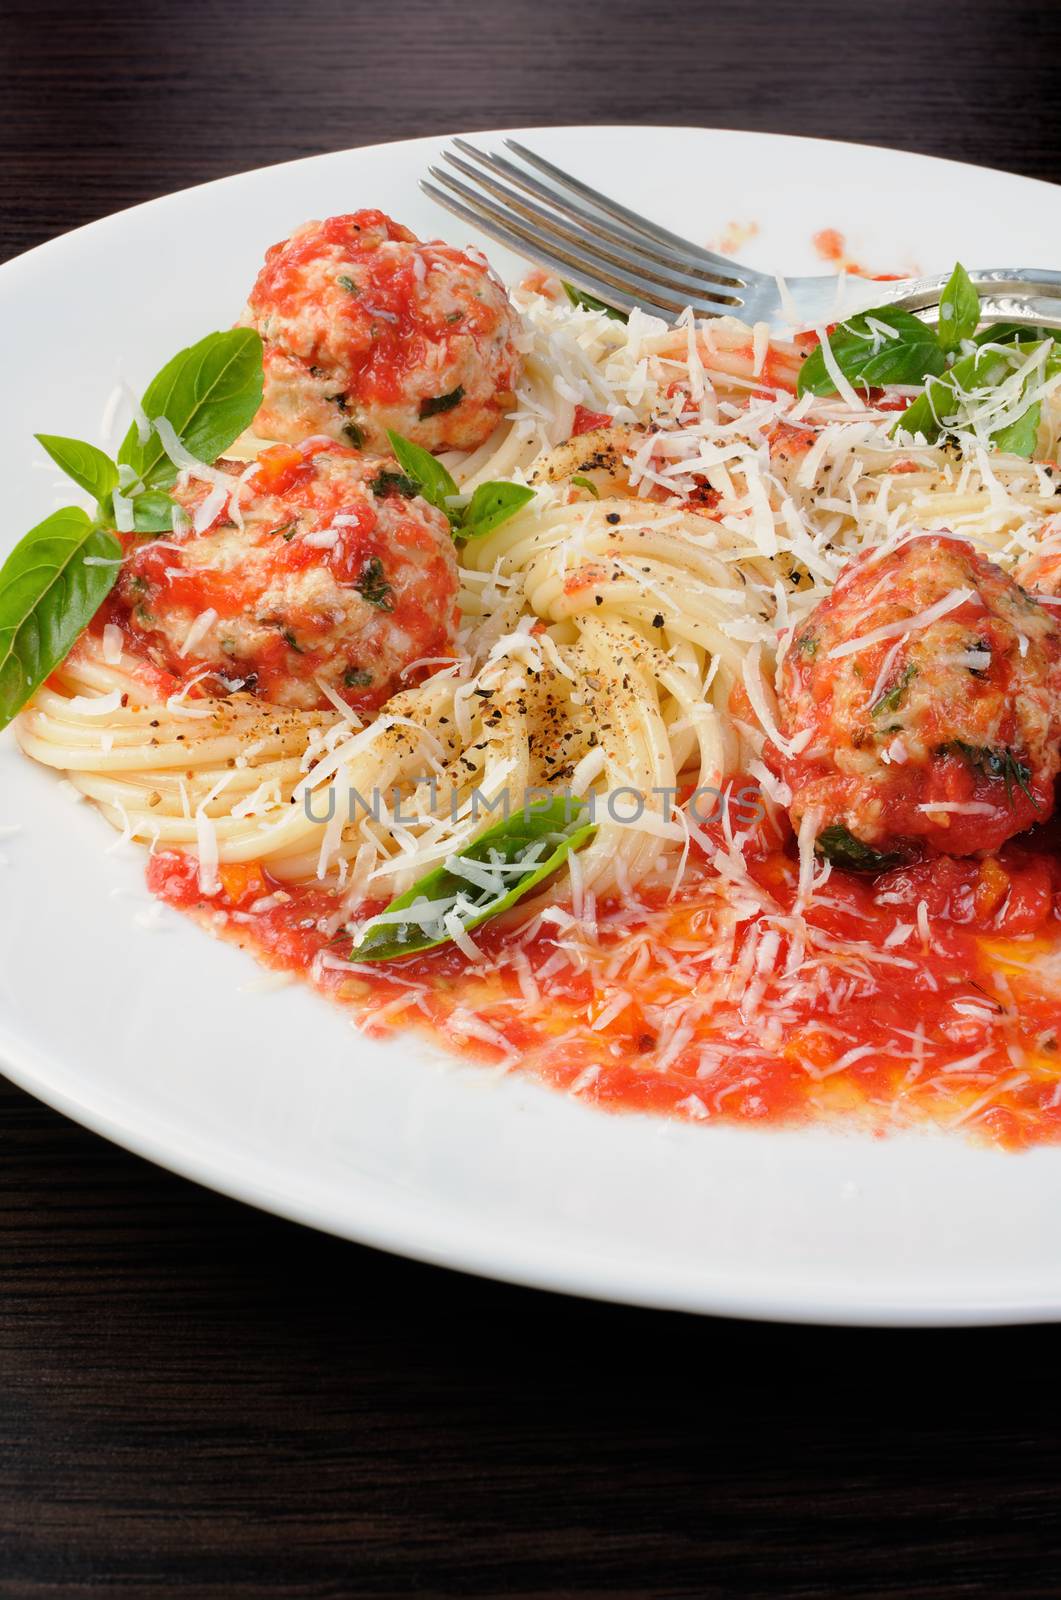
(626, 260)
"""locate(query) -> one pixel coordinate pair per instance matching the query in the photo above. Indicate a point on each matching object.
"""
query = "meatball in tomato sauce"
(317, 573)
(921, 702)
(367, 328)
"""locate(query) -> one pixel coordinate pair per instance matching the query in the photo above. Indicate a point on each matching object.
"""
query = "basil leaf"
(587, 484)
(509, 840)
(1015, 333)
(922, 416)
(959, 311)
(589, 302)
(937, 410)
(838, 845)
(433, 482)
(1019, 438)
(209, 394)
(90, 469)
(490, 506)
(867, 357)
(152, 512)
(436, 404)
(47, 595)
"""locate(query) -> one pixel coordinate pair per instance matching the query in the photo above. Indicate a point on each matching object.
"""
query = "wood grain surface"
(199, 1400)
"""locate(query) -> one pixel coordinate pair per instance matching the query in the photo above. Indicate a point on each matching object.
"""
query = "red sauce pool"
(929, 996)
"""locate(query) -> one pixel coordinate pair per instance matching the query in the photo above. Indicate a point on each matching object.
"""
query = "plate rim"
(29, 1069)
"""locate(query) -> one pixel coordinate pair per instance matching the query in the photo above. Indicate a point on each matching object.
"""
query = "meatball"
(366, 328)
(922, 700)
(336, 577)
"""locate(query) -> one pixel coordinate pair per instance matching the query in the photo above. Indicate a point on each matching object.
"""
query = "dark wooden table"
(199, 1400)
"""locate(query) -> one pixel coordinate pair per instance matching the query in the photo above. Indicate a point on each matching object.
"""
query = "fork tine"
(574, 259)
(625, 293)
(598, 223)
(734, 272)
(589, 244)
(526, 247)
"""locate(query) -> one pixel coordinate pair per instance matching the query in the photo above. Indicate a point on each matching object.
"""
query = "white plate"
(147, 1037)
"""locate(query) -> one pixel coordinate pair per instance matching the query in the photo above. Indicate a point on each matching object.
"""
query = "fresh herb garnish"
(372, 585)
(587, 484)
(58, 575)
(209, 394)
(1015, 333)
(839, 845)
(872, 357)
(436, 404)
(1018, 438)
(490, 505)
(355, 434)
(807, 644)
(153, 511)
(589, 302)
(51, 586)
(357, 678)
(433, 482)
(939, 410)
(348, 284)
(542, 835)
(286, 530)
(869, 356)
(89, 467)
(290, 640)
(959, 311)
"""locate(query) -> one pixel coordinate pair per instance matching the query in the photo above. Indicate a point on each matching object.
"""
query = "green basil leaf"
(935, 412)
(510, 839)
(924, 415)
(433, 482)
(436, 404)
(209, 393)
(1015, 333)
(959, 311)
(490, 506)
(90, 468)
(152, 512)
(866, 357)
(838, 845)
(589, 302)
(587, 484)
(1019, 438)
(47, 595)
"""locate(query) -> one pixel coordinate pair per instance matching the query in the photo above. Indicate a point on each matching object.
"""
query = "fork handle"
(1024, 295)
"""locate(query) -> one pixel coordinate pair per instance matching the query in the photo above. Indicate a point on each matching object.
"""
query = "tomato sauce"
(926, 996)
(586, 420)
(832, 246)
